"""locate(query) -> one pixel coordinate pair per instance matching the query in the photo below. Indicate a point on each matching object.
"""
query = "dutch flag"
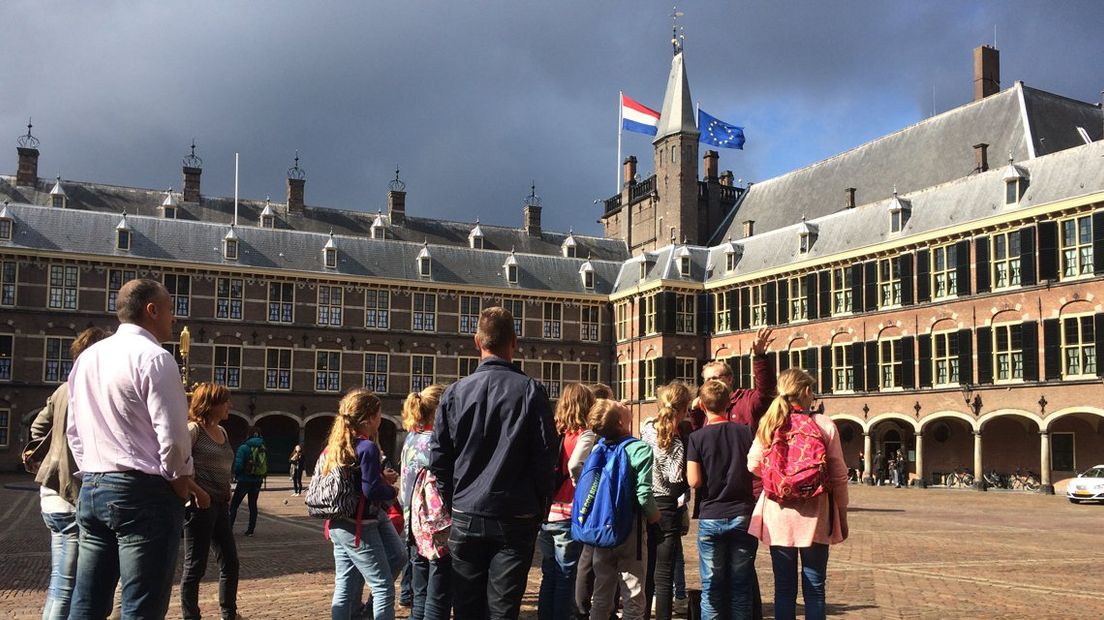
(637, 117)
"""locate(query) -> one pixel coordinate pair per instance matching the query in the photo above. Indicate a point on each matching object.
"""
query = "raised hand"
(763, 340)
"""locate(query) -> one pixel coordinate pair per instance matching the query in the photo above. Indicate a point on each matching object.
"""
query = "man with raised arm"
(128, 430)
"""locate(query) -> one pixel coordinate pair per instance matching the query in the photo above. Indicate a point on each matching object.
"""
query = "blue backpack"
(604, 510)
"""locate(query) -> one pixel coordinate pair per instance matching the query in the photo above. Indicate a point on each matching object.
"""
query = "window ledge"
(1008, 381)
(1077, 278)
(1080, 377)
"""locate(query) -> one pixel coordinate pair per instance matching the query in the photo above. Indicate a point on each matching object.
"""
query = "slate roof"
(1076, 171)
(929, 153)
(168, 241)
(84, 196)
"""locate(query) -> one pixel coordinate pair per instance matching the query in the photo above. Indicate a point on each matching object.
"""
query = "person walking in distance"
(493, 452)
(128, 431)
(60, 487)
(798, 517)
(250, 468)
(879, 468)
(295, 464)
(205, 528)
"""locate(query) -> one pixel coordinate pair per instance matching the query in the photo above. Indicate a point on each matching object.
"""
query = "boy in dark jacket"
(248, 470)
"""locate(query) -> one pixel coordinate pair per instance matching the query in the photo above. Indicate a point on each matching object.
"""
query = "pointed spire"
(677, 114)
(28, 141)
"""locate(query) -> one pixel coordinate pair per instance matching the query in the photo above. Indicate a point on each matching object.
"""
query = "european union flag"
(719, 133)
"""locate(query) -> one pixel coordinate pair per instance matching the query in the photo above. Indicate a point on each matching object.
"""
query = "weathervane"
(677, 38)
(28, 141)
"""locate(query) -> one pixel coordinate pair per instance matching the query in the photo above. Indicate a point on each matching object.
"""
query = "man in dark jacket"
(493, 452)
(250, 471)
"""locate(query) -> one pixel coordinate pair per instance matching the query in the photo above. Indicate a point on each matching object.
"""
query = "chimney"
(727, 178)
(711, 159)
(396, 200)
(986, 72)
(981, 157)
(193, 168)
(296, 183)
(749, 228)
(27, 147)
(531, 214)
(629, 168)
(849, 198)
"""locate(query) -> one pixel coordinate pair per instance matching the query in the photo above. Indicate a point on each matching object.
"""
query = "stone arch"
(850, 418)
(281, 433)
(892, 415)
(950, 413)
(1009, 315)
(890, 331)
(320, 414)
(237, 427)
(1077, 307)
(946, 324)
(851, 431)
(1000, 413)
(1049, 421)
(316, 429)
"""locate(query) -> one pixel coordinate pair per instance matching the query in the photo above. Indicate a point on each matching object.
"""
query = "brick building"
(950, 308)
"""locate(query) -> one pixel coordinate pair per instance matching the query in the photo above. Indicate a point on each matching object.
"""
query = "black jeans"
(663, 539)
(490, 564)
(203, 529)
(253, 490)
(297, 478)
(431, 581)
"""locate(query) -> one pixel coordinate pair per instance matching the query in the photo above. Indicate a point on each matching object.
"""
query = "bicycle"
(1026, 481)
(959, 478)
(996, 480)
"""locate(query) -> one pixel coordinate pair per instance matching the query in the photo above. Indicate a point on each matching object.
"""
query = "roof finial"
(532, 200)
(396, 185)
(28, 141)
(295, 172)
(193, 160)
(677, 38)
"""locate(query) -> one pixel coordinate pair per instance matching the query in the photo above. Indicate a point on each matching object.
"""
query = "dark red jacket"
(748, 406)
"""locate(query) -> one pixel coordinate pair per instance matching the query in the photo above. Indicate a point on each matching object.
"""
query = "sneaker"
(248, 532)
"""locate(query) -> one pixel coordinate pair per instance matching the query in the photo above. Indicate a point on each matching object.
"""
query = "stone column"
(868, 458)
(1045, 485)
(920, 481)
(979, 480)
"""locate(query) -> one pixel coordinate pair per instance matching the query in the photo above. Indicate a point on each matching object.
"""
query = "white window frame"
(230, 307)
(757, 304)
(1011, 358)
(624, 377)
(465, 366)
(1076, 254)
(274, 374)
(590, 322)
(1004, 267)
(799, 298)
(552, 378)
(686, 370)
(621, 318)
(281, 310)
(64, 286)
(5, 427)
(9, 283)
(843, 369)
(330, 314)
(181, 301)
(63, 362)
(589, 373)
(419, 379)
(228, 378)
(469, 308)
(424, 319)
(842, 302)
(1084, 348)
(686, 313)
(944, 272)
(377, 313)
(326, 377)
(112, 293)
(889, 283)
(650, 323)
(722, 318)
(887, 363)
(376, 377)
(944, 362)
(649, 379)
(553, 320)
(7, 358)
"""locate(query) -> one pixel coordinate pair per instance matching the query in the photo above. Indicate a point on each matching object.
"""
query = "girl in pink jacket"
(805, 527)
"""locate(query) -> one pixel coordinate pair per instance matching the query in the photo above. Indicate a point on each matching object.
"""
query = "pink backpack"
(795, 465)
(430, 521)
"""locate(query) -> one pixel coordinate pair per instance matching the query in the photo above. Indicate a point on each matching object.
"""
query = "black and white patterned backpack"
(335, 494)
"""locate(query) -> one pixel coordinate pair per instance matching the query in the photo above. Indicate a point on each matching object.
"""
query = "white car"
(1087, 486)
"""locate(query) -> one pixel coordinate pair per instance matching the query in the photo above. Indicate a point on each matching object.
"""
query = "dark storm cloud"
(474, 100)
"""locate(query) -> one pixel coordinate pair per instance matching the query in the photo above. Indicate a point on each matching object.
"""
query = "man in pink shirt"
(128, 431)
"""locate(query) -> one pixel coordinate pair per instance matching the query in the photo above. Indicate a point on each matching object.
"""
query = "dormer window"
(168, 206)
(730, 261)
(1015, 183)
(732, 254)
(569, 246)
(475, 237)
(683, 256)
(7, 224)
(122, 235)
(511, 269)
(57, 195)
(329, 254)
(587, 273)
(230, 245)
(268, 216)
(425, 262)
(899, 211)
(379, 230)
(807, 234)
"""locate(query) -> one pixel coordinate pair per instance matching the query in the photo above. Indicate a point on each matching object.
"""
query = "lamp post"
(185, 347)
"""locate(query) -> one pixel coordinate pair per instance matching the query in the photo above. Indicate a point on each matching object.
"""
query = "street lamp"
(971, 398)
(185, 347)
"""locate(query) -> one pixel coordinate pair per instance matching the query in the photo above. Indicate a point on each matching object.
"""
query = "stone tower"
(676, 161)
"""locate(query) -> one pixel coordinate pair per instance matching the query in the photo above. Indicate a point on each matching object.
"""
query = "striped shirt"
(213, 462)
(669, 467)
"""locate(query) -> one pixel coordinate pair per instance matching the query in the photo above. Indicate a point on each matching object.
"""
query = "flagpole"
(235, 189)
(620, 123)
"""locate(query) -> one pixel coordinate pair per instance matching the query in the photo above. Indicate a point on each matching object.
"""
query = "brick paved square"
(913, 553)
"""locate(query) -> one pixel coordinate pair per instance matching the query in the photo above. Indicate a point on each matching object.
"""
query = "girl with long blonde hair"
(561, 553)
(430, 579)
(366, 548)
(668, 485)
(800, 528)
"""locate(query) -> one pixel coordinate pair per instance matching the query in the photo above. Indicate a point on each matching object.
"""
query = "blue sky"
(475, 100)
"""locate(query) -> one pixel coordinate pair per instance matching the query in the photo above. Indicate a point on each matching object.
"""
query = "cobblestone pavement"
(912, 554)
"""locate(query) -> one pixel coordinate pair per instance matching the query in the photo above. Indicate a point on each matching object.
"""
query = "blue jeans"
(130, 526)
(377, 560)
(727, 555)
(64, 538)
(814, 569)
(431, 582)
(560, 555)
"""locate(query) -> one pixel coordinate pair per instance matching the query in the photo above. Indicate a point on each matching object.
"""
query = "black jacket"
(494, 443)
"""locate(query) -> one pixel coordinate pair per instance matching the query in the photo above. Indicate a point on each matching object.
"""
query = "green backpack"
(257, 462)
